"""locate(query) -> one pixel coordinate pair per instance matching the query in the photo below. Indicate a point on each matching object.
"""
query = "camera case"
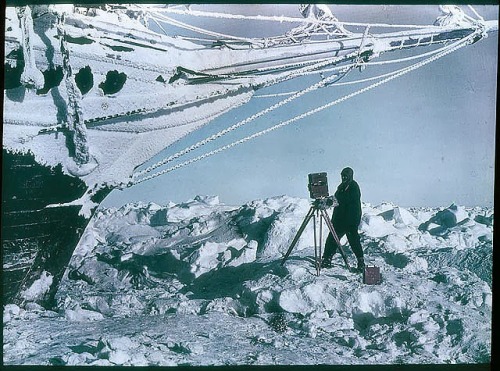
(318, 185)
(372, 276)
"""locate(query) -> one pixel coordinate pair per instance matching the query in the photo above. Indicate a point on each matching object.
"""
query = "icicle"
(75, 112)
(31, 76)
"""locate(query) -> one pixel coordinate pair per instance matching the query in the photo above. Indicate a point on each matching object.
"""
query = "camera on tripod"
(318, 189)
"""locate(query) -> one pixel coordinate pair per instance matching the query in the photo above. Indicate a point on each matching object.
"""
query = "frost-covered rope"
(281, 19)
(241, 123)
(368, 78)
(159, 25)
(406, 59)
(476, 13)
(336, 84)
(156, 15)
(399, 60)
(452, 47)
(159, 17)
(315, 67)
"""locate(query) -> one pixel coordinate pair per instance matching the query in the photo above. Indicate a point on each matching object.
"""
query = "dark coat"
(348, 212)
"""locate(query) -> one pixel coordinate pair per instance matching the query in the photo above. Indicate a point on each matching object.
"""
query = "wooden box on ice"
(372, 276)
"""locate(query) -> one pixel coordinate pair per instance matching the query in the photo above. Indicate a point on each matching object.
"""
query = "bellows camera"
(318, 185)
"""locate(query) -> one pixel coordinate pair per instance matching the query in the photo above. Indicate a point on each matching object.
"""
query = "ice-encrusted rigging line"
(378, 63)
(476, 13)
(160, 17)
(255, 116)
(451, 48)
(281, 19)
(159, 25)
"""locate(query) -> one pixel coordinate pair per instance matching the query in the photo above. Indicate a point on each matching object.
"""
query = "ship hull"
(36, 237)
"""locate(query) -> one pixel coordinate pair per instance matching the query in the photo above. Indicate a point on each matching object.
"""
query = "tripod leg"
(336, 238)
(317, 244)
(315, 216)
(299, 233)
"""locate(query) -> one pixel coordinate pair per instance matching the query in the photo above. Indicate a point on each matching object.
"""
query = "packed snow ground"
(201, 283)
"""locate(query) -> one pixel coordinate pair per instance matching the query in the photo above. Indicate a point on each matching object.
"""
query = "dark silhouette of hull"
(37, 238)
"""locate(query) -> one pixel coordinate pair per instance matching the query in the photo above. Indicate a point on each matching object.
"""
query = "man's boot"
(326, 262)
(361, 265)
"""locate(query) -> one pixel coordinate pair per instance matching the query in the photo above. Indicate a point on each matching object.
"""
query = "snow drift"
(201, 283)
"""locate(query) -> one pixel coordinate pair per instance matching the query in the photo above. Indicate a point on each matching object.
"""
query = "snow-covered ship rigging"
(93, 93)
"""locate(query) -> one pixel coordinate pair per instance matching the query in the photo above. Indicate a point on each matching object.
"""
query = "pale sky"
(424, 139)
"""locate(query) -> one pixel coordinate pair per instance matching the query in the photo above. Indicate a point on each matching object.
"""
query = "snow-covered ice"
(201, 283)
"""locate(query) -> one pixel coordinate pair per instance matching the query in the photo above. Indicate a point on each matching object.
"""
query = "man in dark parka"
(345, 219)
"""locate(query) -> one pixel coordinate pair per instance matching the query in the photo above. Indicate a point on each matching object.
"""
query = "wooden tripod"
(317, 211)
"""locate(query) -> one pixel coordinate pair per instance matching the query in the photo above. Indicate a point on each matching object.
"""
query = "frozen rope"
(159, 17)
(155, 15)
(159, 25)
(453, 47)
(304, 69)
(406, 59)
(476, 13)
(337, 84)
(315, 67)
(281, 19)
(239, 124)
(399, 60)
(368, 78)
